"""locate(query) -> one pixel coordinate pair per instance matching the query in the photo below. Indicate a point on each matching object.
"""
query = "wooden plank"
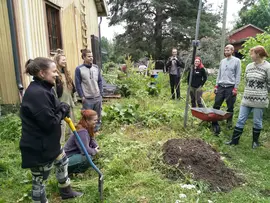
(9, 91)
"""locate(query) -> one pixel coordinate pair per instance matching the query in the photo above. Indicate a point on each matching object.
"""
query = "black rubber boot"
(68, 193)
(236, 136)
(256, 135)
(216, 128)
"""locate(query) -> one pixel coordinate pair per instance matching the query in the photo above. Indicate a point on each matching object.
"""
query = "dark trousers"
(225, 93)
(195, 95)
(96, 105)
(175, 85)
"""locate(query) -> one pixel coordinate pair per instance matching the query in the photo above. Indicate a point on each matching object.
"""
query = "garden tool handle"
(100, 180)
(72, 127)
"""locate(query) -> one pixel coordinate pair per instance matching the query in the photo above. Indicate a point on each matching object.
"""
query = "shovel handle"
(100, 181)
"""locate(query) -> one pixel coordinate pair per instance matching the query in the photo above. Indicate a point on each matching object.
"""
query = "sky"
(232, 13)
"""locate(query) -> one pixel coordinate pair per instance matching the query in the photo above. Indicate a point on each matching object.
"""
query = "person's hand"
(216, 89)
(65, 109)
(234, 91)
(83, 99)
(97, 149)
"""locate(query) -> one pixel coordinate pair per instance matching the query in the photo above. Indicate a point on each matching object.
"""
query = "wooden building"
(39, 28)
(238, 37)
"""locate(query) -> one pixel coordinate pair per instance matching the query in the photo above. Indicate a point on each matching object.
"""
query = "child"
(85, 128)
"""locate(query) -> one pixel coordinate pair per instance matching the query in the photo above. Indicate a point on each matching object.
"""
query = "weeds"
(131, 158)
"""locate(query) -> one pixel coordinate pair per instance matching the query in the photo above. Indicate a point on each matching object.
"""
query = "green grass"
(131, 158)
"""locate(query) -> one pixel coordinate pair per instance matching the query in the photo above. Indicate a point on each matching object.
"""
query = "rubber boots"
(68, 193)
(256, 135)
(236, 136)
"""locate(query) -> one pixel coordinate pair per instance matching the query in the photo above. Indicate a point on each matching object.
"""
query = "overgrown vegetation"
(260, 39)
(131, 158)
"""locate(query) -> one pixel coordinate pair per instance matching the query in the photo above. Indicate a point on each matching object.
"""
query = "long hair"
(201, 64)
(86, 116)
(69, 81)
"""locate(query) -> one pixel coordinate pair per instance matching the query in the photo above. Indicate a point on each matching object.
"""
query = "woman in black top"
(199, 77)
(41, 114)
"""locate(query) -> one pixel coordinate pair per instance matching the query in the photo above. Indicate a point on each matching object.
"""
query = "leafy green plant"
(10, 126)
(153, 90)
(124, 114)
(109, 66)
(260, 39)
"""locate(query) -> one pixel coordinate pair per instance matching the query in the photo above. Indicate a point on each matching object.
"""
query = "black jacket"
(180, 65)
(199, 77)
(41, 125)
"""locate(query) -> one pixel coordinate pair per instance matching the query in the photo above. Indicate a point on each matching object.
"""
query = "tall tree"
(153, 27)
(256, 12)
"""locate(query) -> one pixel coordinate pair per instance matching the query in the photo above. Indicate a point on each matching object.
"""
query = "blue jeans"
(243, 116)
(78, 163)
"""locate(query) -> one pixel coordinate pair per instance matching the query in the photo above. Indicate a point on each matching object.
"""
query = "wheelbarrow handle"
(100, 181)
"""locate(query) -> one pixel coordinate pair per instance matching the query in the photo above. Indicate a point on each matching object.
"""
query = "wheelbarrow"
(210, 115)
(100, 179)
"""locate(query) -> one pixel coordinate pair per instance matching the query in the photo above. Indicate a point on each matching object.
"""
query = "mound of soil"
(202, 161)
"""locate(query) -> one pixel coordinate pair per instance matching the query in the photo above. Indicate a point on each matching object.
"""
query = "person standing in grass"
(65, 88)
(228, 79)
(88, 81)
(41, 114)
(255, 98)
(175, 68)
(78, 162)
(199, 77)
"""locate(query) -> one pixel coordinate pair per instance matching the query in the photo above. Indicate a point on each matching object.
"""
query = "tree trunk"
(158, 33)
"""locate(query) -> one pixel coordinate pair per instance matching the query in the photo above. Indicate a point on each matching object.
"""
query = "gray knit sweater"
(257, 85)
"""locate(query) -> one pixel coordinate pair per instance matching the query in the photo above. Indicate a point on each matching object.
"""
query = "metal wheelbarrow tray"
(210, 114)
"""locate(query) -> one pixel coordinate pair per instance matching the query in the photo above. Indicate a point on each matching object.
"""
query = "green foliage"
(10, 126)
(261, 39)
(256, 13)
(120, 113)
(110, 67)
(153, 27)
(153, 90)
(131, 156)
(109, 52)
(209, 51)
(131, 83)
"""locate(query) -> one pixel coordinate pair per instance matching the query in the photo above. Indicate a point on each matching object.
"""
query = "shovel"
(100, 178)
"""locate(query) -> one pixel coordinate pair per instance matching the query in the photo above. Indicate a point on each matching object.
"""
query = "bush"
(261, 39)
(122, 114)
(10, 126)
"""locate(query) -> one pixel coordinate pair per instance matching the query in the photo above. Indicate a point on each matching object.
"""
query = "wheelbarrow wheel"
(216, 129)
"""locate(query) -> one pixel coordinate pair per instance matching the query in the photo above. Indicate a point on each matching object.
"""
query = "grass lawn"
(131, 156)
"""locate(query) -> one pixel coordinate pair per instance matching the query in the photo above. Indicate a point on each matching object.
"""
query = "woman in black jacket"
(199, 77)
(41, 114)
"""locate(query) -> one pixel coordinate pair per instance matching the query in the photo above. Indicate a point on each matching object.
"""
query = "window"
(54, 28)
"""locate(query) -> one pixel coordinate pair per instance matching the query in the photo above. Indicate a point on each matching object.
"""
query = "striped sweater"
(257, 85)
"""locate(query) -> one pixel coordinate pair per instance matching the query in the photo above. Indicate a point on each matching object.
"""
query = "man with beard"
(227, 83)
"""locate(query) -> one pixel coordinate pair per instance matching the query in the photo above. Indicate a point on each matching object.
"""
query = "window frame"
(49, 7)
